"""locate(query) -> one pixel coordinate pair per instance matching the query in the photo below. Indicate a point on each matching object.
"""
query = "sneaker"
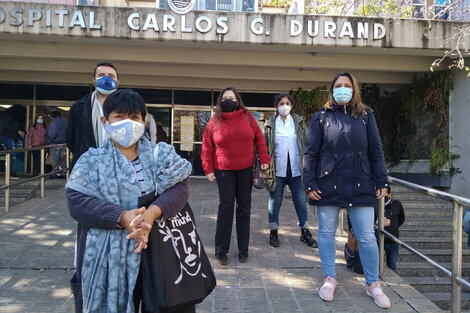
(327, 291)
(242, 257)
(306, 236)
(375, 291)
(14, 176)
(221, 258)
(273, 238)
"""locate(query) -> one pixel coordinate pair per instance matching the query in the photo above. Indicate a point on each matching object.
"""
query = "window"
(439, 7)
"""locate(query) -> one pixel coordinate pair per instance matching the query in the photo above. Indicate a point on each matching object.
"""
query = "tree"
(428, 9)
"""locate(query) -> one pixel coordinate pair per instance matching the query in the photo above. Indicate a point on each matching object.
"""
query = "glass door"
(189, 124)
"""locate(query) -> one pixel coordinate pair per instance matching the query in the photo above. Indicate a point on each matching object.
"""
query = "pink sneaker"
(327, 291)
(375, 291)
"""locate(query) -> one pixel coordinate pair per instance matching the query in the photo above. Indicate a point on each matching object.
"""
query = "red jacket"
(229, 145)
(37, 135)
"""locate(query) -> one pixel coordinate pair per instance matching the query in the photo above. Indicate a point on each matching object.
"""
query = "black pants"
(233, 185)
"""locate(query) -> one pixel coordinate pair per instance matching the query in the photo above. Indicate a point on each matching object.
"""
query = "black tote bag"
(175, 268)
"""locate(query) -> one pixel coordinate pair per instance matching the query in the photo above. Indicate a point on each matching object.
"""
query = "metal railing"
(42, 176)
(455, 274)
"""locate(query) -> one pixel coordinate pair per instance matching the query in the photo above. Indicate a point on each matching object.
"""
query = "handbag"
(258, 180)
(175, 269)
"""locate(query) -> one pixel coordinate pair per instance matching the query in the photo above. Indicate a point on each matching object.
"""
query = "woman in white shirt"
(285, 134)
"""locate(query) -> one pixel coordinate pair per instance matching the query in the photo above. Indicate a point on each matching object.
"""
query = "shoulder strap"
(322, 118)
(254, 135)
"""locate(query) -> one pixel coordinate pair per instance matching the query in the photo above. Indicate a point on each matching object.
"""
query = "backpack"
(351, 254)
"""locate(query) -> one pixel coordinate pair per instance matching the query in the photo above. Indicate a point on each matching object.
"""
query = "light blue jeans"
(362, 220)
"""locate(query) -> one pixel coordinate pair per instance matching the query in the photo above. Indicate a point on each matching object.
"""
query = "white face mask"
(126, 132)
(284, 109)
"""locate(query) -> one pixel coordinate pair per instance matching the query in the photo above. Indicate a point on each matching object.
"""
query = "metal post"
(67, 162)
(341, 222)
(42, 172)
(7, 182)
(25, 142)
(456, 257)
(380, 218)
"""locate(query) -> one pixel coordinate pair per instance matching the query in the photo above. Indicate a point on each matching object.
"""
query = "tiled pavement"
(36, 262)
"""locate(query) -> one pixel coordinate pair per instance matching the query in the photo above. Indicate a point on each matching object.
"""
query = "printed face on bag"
(181, 233)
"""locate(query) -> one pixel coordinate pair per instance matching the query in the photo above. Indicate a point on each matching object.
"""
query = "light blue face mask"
(126, 132)
(106, 85)
(342, 95)
(39, 121)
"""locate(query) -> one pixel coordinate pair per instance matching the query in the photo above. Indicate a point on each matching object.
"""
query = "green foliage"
(399, 116)
(384, 8)
(308, 102)
(275, 3)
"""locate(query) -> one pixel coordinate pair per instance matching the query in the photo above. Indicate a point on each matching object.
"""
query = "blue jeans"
(391, 251)
(298, 196)
(10, 145)
(362, 220)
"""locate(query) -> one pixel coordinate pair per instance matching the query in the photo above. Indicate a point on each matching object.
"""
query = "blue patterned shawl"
(110, 266)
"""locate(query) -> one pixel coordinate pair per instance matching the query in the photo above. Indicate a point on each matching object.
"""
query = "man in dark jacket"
(84, 127)
(56, 135)
(394, 218)
(13, 130)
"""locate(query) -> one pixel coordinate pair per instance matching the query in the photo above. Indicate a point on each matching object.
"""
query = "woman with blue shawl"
(104, 193)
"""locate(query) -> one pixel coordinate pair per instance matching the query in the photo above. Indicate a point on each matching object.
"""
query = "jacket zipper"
(344, 106)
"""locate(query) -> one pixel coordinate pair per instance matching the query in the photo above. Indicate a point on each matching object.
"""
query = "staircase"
(428, 228)
(21, 192)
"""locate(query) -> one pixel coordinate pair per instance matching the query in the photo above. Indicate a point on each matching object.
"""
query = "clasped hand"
(138, 223)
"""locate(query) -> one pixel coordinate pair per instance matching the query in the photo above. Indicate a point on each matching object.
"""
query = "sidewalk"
(37, 246)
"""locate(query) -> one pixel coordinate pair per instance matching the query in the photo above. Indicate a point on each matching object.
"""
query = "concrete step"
(443, 299)
(417, 204)
(424, 213)
(431, 284)
(427, 221)
(420, 269)
(438, 255)
(430, 243)
(426, 232)
(406, 196)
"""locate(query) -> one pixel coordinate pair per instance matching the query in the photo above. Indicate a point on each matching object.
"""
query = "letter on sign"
(257, 30)
(295, 28)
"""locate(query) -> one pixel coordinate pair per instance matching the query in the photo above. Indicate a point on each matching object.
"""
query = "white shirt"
(285, 140)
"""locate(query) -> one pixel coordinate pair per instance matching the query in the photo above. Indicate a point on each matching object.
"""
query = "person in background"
(394, 218)
(56, 135)
(344, 166)
(84, 127)
(13, 129)
(161, 133)
(150, 128)
(466, 224)
(227, 157)
(285, 134)
(37, 138)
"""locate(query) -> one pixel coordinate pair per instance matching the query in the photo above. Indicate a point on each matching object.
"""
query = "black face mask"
(229, 105)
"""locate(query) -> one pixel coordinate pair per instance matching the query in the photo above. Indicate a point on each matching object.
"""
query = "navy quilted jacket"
(344, 158)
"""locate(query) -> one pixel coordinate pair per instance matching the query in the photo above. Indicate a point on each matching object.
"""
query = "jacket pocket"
(326, 177)
(364, 183)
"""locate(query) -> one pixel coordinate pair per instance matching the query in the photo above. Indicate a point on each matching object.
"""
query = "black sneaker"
(306, 236)
(273, 238)
(221, 258)
(242, 257)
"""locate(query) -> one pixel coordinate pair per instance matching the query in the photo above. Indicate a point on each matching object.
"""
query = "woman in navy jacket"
(344, 166)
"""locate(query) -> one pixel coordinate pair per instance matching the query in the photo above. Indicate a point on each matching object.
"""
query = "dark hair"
(106, 63)
(218, 107)
(125, 101)
(283, 95)
(358, 108)
(389, 189)
(55, 113)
